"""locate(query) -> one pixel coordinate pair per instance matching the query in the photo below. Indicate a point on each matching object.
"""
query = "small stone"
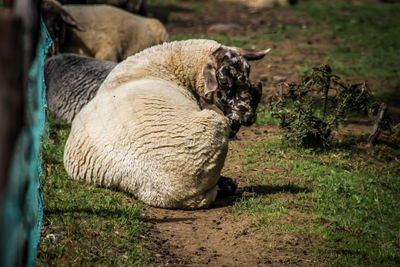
(278, 78)
(222, 28)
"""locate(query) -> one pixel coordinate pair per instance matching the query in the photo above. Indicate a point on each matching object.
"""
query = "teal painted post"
(21, 211)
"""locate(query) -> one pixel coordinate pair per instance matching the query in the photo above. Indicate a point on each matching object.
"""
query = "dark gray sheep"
(72, 81)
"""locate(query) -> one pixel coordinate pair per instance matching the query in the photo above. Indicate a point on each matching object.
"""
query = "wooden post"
(19, 28)
(11, 90)
(20, 215)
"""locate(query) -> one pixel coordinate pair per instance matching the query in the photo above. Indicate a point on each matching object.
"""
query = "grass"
(348, 199)
(169, 9)
(366, 36)
(177, 5)
(85, 225)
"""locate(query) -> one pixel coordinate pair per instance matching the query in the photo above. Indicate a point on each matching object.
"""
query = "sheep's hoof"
(226, 187)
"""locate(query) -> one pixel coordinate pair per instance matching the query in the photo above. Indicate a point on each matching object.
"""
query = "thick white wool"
(144, 131)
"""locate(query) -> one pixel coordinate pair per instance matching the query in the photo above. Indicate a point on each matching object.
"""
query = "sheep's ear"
(52, 11)
(251, 54)
(210, 78)
(69, 20)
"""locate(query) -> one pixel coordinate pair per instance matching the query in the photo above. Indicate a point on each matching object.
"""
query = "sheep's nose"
(234, 129)
(249, 119)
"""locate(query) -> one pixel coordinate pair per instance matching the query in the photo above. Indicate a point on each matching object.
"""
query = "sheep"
(72, 81)
(101, 31)
(56, 20)
(133, 6)
(145, 133)
(264, 3)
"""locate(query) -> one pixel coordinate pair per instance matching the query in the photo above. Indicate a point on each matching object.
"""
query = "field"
(303, 207)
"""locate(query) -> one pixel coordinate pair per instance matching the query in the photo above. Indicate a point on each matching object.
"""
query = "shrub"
(309, 112)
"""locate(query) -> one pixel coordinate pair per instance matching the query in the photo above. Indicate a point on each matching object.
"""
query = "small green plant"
(310, 111)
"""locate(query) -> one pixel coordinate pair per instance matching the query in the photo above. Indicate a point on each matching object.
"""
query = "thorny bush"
(309, 112)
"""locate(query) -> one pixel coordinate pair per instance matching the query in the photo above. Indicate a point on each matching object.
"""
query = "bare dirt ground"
(216, 237)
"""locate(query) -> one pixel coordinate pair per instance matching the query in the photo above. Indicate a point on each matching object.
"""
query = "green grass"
(82, 224)
(349, 198)
(180, 5)
(274, 34)
(171, 9)
(366, 36)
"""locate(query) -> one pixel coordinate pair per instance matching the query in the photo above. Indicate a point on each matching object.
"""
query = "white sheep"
(72, 81)
(101, 31)
(145, 133)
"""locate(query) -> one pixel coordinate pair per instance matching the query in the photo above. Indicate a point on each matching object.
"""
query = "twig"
(376, 129)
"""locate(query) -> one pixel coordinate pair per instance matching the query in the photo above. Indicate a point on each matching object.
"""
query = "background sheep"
(145, 133)
(264, 3)
(56, 20)
(72, 81)
(133, 6)
(101, 31)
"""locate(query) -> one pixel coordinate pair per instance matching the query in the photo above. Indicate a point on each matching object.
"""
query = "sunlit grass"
(366, 36)
(350, 199)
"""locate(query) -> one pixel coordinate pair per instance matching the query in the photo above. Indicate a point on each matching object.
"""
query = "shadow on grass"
(257, 190)
(356, 144)
(100, 212)
(163, 12)
(392, 99)
(168, 219)
(269, 189)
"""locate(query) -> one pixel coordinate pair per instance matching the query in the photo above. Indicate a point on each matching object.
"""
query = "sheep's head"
(228, 85)
(56, 18)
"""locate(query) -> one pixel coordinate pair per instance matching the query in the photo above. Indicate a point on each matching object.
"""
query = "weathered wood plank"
(11, 90)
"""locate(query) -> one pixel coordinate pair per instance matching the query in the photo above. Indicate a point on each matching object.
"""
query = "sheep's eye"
(242, 78)
(223, 80)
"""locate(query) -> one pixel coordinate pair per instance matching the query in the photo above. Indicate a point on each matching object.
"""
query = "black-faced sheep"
(144, 132)
(100, 31)
(72, 81)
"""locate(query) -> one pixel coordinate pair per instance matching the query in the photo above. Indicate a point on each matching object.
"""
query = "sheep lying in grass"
(145, 132)
(72, 81)
(101, 31)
